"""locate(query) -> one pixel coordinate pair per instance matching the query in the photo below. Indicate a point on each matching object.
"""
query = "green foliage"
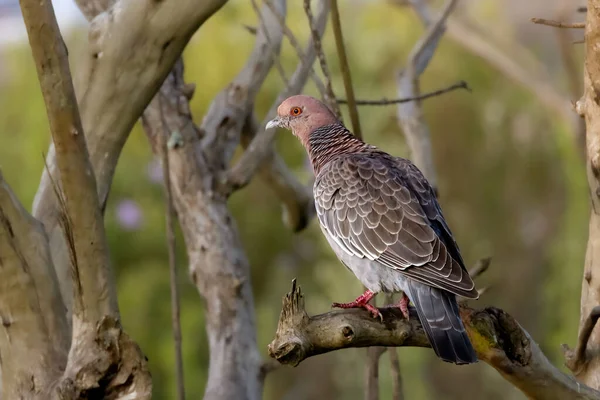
(512, 186)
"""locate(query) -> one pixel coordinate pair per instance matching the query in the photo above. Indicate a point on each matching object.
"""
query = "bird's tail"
(439, 315)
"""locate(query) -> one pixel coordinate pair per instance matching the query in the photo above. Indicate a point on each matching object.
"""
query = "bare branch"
(513, 66)
(387, 102)
(262, 144)
(222, 124)
(304, 56)
(345, 67)
(498, 340)
(117, 80)
(297, 199)
(171, 248)
(558, 24)
(316, 40)
(78, 184)
(273, 47)
(410, 115)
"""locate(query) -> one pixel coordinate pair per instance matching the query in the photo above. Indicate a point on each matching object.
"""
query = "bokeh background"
(512, 185)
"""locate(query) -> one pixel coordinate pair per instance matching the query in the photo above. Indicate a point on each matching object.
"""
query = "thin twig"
(576, 360)
(329, 95)
(389, 102)
(558, 24)
(345, 68)
(170, 227)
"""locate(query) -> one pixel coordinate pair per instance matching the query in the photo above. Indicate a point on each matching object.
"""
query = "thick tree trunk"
(589, 107)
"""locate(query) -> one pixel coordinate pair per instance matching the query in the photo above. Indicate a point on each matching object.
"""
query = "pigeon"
(382, 219)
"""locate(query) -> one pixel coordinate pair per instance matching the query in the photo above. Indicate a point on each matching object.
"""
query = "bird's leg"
(362, 301)
(402, 304)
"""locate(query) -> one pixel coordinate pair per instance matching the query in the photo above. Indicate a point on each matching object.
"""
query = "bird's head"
(302, 115)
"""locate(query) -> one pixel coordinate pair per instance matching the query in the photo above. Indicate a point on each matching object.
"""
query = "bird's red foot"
(362, 301)
(402, 304)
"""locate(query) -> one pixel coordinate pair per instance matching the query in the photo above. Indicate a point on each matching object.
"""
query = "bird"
(382, 219)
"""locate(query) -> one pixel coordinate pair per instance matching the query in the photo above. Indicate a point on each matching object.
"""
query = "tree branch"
(345, 68)
(497, 338)
(262, 144)
(410, 115)
(91, 260)
(514, 66)
(558, 24)
(297, 198)
(316, 41)
(117, 80)
(389, 102)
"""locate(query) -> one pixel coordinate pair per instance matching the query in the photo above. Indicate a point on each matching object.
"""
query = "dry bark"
(199, 160)
(587, 367)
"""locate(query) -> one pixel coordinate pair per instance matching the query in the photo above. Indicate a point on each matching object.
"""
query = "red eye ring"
(295, 111)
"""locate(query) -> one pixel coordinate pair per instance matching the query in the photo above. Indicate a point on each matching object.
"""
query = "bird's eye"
(295, 111)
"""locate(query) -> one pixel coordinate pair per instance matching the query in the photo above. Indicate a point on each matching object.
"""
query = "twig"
(572, 71)
(576, 360)
(170, 227)
(316, 40)
(389, 102)
(480, 267)
(345, 68)
(398, 390)
(558, 24)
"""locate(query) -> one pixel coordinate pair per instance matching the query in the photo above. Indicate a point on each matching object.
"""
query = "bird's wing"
(383, 209)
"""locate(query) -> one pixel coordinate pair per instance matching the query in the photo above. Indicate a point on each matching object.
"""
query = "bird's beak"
(274, 123)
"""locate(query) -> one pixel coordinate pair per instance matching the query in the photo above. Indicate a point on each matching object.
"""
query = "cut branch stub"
(300, 336)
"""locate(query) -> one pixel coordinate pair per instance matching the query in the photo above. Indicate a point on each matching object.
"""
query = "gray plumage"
(382, 219)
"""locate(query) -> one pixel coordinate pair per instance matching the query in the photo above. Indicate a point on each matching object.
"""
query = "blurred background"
(511, 181)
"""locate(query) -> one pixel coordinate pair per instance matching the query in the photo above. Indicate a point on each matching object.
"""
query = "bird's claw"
(374, 311)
